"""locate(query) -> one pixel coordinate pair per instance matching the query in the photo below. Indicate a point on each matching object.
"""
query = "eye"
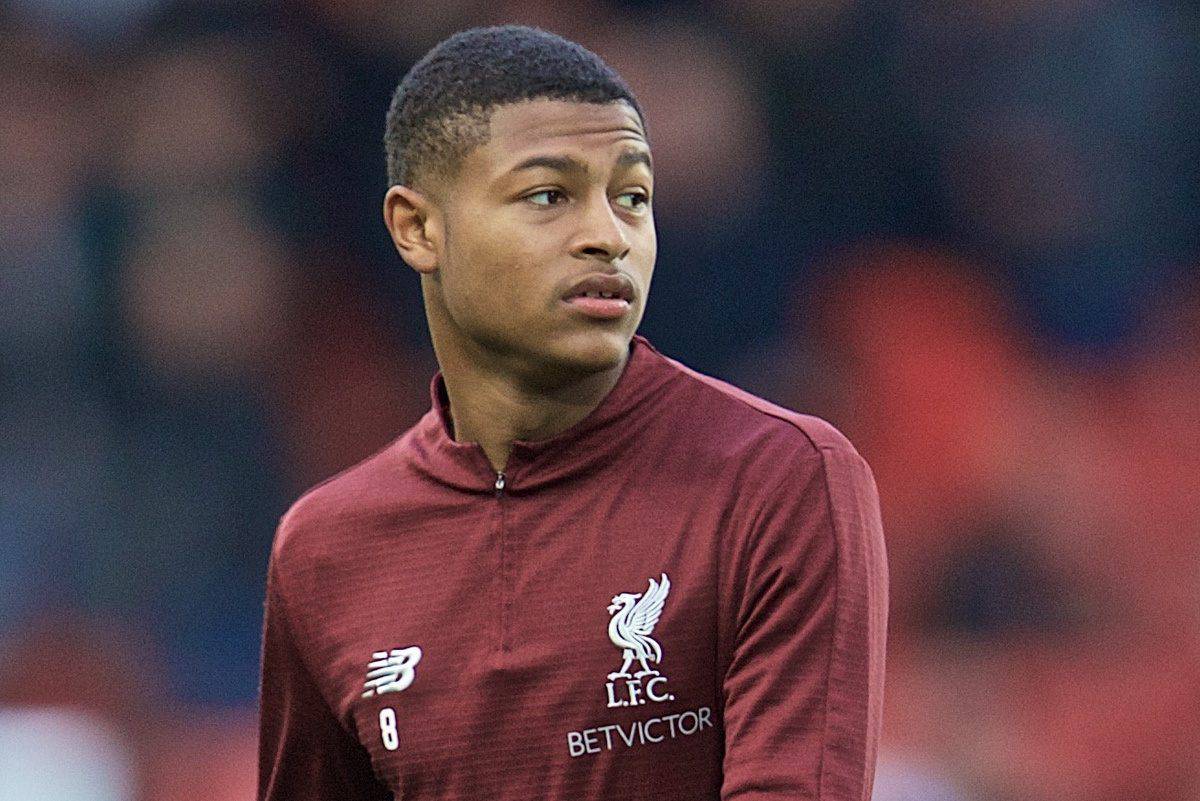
(547, 197)
(634, 201)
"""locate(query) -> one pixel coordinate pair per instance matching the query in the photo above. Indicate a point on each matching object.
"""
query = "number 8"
(387, 727)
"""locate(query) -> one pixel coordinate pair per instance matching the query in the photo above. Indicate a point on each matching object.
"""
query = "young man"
(588, 572)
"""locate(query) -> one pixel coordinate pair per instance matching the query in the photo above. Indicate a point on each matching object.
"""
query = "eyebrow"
(557, 163)
(632, 157)
(568, 164)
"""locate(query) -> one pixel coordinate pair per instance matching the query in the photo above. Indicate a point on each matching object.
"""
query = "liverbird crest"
(634, 616)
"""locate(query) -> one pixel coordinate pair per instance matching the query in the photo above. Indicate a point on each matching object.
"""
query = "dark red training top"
(681, 598)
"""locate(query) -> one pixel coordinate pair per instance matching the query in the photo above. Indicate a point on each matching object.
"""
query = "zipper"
(505, 611)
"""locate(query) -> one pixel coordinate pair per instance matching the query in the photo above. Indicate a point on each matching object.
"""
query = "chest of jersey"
(574, 641)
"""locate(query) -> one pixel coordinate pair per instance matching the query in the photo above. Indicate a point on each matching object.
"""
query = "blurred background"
(965, 233)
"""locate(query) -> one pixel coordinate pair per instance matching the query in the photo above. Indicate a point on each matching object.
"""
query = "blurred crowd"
(965, 233)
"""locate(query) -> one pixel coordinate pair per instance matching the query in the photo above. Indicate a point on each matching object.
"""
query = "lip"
(618, 286)
(615, 284)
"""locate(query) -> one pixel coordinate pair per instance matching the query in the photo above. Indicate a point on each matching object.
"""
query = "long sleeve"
(804, 688)
(304, 752)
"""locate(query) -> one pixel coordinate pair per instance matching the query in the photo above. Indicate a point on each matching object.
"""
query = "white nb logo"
(391, 672)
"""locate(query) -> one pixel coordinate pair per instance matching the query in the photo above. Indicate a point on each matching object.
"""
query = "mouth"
(601, 296)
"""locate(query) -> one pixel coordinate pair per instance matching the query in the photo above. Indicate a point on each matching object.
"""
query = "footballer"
(588, 573)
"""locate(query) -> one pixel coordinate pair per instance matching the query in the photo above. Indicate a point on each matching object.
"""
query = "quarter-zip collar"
(597, 439)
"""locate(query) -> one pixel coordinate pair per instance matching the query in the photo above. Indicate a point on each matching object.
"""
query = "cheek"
(492, 277)
(647, 253)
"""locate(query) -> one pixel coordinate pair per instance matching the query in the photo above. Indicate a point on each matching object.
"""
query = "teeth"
(605, 295)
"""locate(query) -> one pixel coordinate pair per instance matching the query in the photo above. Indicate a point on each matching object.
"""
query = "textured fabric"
(731, 547)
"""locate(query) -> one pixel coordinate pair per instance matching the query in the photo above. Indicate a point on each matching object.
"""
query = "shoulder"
(752, 430)
(802, 493)
(310, 528)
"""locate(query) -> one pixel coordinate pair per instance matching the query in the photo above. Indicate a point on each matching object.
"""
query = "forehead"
(519, 130)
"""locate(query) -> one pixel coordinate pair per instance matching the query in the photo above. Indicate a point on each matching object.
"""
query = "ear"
(415, 225)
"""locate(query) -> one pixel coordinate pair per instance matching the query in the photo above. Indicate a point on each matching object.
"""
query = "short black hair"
(442, 108)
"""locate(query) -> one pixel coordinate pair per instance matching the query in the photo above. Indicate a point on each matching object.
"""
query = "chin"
(591, 351)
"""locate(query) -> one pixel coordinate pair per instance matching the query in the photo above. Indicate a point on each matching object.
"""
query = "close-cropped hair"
(442, 108)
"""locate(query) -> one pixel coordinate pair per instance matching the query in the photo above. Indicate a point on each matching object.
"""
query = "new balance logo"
(391, 671)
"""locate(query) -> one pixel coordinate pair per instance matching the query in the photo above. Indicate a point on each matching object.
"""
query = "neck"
(496, 410)
(495, 407)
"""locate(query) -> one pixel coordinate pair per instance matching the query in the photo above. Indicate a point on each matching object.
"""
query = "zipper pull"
(501, 482)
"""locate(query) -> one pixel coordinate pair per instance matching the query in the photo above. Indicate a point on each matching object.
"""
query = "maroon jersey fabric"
(682, 597)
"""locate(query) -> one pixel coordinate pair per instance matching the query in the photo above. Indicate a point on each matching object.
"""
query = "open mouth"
(602, 296)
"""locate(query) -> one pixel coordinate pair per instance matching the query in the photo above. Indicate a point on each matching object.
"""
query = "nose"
(601, 235)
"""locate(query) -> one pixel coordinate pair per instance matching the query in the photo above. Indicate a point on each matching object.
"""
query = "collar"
(580, 450)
